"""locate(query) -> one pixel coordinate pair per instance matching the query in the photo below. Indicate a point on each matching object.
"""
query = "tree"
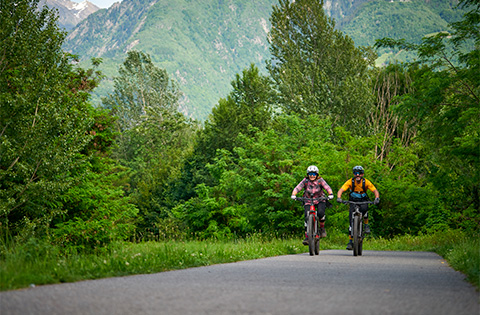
(318, 69)
(153, 136)
(96, 209)
(444, 102)
(390, 84)
(251, 103)
(143, 93)
(44, 115)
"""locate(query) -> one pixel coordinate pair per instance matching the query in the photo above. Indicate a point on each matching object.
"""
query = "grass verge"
(461, 251)
(40, 263)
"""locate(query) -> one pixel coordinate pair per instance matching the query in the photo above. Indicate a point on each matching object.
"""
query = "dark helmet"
(358, 169)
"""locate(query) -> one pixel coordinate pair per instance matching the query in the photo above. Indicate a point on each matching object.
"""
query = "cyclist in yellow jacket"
(358, 187)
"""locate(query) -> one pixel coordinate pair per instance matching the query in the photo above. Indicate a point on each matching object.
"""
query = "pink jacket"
(313, 189)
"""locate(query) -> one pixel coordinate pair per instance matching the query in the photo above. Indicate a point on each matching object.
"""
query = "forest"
(84, 177)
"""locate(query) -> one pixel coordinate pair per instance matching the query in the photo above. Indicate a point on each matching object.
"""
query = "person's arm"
(294, 194)
(327, 188)
(345, 186)
(297, 189)
(374, 190)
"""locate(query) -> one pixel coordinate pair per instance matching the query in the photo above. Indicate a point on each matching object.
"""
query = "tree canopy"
(44, 114)
(317, 68)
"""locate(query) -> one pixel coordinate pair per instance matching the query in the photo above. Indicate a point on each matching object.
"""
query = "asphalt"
(334, 282)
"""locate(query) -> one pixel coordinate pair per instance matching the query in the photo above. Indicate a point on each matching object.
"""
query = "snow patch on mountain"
(70, 13)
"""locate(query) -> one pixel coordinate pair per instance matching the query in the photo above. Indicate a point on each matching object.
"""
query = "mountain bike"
(313, 231)
(357, 225)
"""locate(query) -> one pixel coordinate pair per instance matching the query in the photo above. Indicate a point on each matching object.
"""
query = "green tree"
(318, 69)
(96, 209)
(445, 105)
(251, 103)
(142, 93)
(44, 115)
(153, 136)
(389, 85)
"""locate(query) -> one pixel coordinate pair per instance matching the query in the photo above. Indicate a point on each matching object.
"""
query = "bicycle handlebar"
(357, 202)
(310, 199)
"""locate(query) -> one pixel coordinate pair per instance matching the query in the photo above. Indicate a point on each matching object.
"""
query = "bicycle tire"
(362, 236)
(356, 234)
(311, 235)
(317, 246)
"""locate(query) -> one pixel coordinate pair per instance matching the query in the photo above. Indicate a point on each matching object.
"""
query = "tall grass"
(38, 262)
(460, 250)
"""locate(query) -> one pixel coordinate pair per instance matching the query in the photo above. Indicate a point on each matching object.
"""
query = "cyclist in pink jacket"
(314, 186)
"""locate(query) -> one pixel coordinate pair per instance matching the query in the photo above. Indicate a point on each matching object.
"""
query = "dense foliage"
(317, 69)
(53, 143)
(137, 168)
(152, 139)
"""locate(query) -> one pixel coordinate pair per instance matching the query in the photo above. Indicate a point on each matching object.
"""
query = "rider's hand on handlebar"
(339, 200)
(376, 201)
(293, 197)
(330, 197)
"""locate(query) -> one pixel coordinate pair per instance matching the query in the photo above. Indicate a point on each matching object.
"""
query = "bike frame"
(312, 226)
(356, 224)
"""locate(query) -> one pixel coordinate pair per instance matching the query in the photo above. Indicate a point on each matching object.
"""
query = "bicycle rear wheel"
(311, 234)
(356, 234)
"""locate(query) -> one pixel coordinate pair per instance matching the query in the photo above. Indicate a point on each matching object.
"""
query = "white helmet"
(312, 169)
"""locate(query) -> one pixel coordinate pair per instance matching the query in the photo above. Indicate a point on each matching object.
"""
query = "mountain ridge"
(203, 44)
(70, 13)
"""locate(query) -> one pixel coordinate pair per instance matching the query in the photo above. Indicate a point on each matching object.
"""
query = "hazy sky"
(100, 3)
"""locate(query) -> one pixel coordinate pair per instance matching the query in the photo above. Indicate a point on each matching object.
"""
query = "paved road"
(332, 283)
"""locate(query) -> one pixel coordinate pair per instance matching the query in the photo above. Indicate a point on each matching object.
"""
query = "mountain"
(203, 43)
(70, 13)
(407, 19)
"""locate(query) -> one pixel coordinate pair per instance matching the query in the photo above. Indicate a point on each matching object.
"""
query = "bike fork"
(315, 224)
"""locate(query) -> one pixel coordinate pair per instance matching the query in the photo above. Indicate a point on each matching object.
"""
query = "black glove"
(376, 201)
(339, 200)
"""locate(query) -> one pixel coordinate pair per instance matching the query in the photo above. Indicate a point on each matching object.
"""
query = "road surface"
(334, 282)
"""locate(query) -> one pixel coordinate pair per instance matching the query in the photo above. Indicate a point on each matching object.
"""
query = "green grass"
(461, 251)
(38, 263)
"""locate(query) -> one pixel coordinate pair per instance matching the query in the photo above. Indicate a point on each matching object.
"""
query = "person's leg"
(364, 210)
(321, 218)
(350, 217)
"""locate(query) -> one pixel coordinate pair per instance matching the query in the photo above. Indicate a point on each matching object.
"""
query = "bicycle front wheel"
(356, 235)
(311, 234)
(360, 245)
(361, 237)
